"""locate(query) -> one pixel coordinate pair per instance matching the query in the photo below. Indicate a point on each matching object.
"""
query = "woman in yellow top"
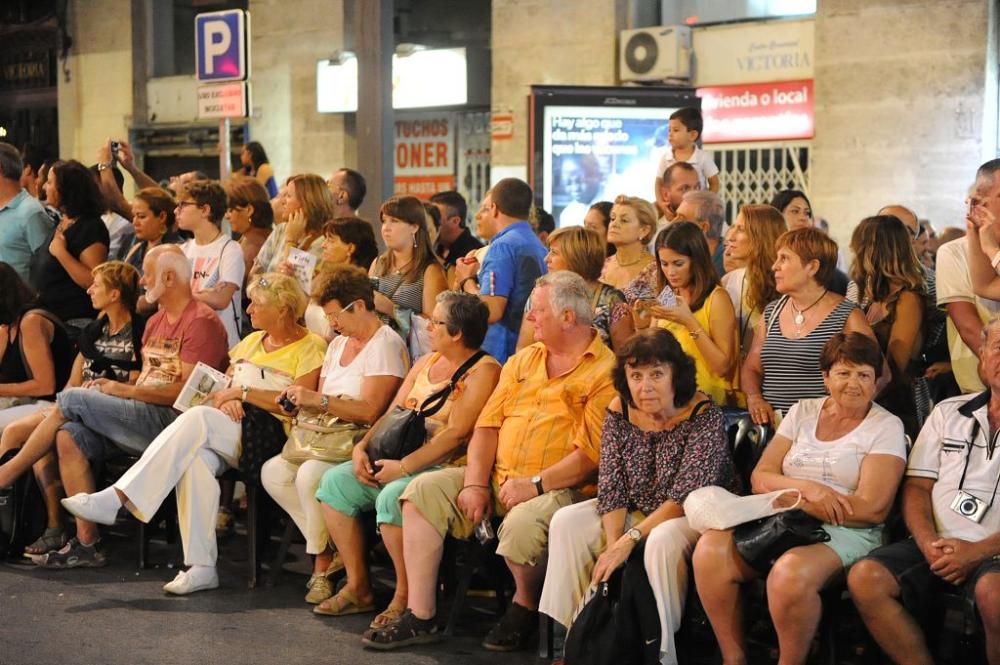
(703, 320)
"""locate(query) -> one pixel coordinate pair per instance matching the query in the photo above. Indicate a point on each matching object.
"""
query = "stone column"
(906, 107)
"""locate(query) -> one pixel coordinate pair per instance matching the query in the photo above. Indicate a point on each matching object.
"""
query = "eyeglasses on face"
(335, 316)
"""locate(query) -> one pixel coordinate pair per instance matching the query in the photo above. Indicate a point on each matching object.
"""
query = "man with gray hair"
(948, 505)
(24, 226)
(534, 450)
(184, 332)
(705, 209)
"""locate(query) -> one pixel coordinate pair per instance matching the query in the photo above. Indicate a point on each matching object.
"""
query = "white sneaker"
(93, 507)
(198, 578)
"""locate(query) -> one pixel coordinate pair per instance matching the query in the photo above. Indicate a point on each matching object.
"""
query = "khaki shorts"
(524, 532)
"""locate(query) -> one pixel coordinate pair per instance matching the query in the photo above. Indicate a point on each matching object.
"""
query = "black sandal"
(406, 631)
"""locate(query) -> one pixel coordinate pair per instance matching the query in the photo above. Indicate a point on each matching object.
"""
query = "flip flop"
(389, 615)
(343, 604)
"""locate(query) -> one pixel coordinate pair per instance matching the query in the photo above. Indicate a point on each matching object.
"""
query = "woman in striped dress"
(782, 366)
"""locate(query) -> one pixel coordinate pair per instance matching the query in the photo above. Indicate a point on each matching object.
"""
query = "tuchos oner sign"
(758, 112)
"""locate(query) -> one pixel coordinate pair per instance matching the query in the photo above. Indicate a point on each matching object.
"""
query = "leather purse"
(402, 430)
(321, 436)
(762, 541)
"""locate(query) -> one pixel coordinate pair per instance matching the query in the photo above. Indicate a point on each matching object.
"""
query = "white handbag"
(714, 507)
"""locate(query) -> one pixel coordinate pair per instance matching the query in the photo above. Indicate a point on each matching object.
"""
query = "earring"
(414, 239)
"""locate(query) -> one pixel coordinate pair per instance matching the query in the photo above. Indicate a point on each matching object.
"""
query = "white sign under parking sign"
(223, 100)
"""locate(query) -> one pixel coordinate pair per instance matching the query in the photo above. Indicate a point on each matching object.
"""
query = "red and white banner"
(425, 155)
(758, 112)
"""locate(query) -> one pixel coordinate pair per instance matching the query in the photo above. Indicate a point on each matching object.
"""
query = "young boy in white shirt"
(683, 129)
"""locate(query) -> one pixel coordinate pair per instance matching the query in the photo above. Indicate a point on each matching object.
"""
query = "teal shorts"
(849, 543)
(343, 492)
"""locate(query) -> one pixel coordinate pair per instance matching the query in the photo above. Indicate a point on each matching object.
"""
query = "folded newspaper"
(203, 381)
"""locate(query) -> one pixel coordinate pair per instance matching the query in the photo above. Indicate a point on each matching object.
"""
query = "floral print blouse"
(641, 470)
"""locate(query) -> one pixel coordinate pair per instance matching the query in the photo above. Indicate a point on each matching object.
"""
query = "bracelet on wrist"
(695, 333)
(402, 468)
(482, 487)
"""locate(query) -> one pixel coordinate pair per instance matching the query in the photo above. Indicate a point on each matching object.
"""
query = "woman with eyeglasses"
(364, 367)
(457, 328)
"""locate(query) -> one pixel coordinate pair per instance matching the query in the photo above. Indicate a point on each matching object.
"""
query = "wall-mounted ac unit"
(655, 53)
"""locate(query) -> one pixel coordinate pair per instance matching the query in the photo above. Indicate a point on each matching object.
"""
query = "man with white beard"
(183, 332)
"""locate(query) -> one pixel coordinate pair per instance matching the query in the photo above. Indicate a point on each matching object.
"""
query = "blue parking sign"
(222, 45)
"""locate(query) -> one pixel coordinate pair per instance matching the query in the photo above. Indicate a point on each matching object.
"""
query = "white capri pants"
(186, 456)
(293, 487)
(576, 539)
(10, 414)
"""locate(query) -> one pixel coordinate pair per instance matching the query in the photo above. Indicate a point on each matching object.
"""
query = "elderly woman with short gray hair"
(456, 330)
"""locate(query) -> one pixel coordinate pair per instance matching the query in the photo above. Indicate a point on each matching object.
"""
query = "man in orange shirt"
(534, 450)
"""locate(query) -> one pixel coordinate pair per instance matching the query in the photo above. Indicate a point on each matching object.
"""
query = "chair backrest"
(746, 443)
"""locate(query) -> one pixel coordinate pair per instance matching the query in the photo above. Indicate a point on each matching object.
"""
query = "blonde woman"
(751, 242)
(633, 223)
(582, 251)
(308, 207)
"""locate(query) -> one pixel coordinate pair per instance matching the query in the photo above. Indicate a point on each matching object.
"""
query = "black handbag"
(402, 430)
(762, 541)
(263, 437)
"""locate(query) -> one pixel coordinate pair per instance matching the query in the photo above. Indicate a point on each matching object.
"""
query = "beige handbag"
(321, 436)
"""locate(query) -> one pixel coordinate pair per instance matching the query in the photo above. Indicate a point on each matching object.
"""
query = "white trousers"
(293, 487)
(576, 539)
(186, 456)
(10, 414)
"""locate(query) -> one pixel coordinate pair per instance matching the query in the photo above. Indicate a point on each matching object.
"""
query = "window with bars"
(754, 173)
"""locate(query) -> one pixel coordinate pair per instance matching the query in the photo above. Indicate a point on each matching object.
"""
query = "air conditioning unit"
(655, 53)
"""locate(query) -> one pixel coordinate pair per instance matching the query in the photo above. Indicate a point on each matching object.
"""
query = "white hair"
(175, 262)
(568, 291)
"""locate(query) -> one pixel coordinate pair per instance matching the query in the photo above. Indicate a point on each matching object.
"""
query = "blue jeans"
(127, 423)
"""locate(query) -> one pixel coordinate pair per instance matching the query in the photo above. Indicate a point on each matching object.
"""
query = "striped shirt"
(408, 295)
(791, 366)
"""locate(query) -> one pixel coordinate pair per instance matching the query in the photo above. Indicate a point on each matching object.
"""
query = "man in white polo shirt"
(951, 509)
(966, 311)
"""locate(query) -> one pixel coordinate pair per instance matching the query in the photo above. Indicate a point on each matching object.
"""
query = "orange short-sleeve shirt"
(542, 419)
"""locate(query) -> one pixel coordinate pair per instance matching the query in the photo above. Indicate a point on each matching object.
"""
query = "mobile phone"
(114, 150)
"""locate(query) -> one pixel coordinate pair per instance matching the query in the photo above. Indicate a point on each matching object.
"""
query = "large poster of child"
(592, 154)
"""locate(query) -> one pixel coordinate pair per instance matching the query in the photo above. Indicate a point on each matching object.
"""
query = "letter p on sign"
(221, 45)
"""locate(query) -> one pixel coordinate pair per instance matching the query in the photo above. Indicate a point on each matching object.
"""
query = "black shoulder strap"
(701, 406)
(435, 401)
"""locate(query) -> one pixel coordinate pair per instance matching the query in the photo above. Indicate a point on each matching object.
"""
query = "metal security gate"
(755, 172)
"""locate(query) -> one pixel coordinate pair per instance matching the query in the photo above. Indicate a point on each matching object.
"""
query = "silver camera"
(969, 506)
(484, 531)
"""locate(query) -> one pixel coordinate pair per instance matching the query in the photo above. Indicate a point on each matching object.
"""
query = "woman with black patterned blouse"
(662, 439)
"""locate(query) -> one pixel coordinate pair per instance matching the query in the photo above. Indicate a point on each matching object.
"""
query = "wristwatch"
(634, 534)
(244, 392)
(537, 480)
(324, 402)
(103, 166)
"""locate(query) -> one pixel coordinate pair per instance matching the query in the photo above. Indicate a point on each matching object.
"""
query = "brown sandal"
(343, 604)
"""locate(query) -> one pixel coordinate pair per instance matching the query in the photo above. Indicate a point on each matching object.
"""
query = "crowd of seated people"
(588, 374)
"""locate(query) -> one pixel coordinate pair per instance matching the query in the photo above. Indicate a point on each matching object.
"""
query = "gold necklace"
(630, 263)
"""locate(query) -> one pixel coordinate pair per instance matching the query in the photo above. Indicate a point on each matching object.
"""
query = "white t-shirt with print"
(940, 453)
(385, 354)
(701, 160)
(837, 463)
(218, 262)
